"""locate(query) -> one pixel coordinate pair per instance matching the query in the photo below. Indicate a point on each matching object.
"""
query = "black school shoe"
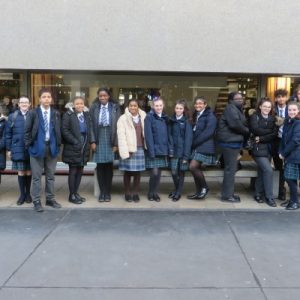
(292, 206)
(271, 202)
(156, 198)
(136, 198)
(259, 199)
(38, 206)
(232, 199)
(53, 204)
(74, 199)
(128, 198)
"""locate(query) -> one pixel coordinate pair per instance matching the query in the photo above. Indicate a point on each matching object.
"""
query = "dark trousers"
(230, 157)
(38, 164)
(104, 176)
(278, 163)
(264, 180)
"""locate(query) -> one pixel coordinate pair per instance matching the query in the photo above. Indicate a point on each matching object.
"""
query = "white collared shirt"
(48, 117)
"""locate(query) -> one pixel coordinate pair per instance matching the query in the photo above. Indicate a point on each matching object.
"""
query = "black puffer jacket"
(76, 151)
(266, 130)
(232, 127)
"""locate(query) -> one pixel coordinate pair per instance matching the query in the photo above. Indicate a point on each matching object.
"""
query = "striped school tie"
(46, 125)
(104, 116)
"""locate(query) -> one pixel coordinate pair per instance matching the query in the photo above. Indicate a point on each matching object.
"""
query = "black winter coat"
(180, 138)
(232, 126)
(76, 151)
(14, 135)
(2, 143)
(266, 130)
(204, 133)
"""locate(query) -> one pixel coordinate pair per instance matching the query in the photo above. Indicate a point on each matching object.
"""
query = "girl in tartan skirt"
(15, 146)
(289, 151)
(130, 128)
(180, 139)
(203, 146)
(156, 138)
(105, 114)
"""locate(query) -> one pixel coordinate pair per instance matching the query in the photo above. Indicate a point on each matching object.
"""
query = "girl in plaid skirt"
(130, 129)
(15, 146)
(289, 151)
(203, 146)
(180, 137)
(156, 138)
(105, 114)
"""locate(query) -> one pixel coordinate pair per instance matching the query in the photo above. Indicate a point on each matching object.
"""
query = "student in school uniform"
(156, 137)
(3, 121)
(43, 140)
(131, 148)
(105, 114)
(15, 145)
(203, 146)
(180, 142)
(289, 152)
(77, 136)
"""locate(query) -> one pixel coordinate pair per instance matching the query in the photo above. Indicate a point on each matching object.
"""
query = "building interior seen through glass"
(145, 87)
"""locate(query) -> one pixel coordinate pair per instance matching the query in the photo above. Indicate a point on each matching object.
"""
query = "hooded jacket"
(14, 135)
(232, 127)
(76, 151)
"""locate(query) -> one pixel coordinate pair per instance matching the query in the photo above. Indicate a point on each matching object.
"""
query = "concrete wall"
(259, 36)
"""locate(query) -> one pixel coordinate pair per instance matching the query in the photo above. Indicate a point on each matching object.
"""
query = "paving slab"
(283, 294)
(20, 233)
(149, 249)
(271, 243)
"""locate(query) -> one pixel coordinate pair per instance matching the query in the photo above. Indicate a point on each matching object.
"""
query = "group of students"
(151, 141)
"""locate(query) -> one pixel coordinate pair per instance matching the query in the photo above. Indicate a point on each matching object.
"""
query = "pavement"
(9, 195)
(149, 254)
(147, 250)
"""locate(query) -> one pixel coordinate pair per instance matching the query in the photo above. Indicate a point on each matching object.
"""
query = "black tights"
(154, 181)
(104, 176)
(136, 182)
(200, 182)
(178, 179)
(74, 179)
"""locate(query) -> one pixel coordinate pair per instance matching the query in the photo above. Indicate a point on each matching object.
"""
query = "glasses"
(239, 98)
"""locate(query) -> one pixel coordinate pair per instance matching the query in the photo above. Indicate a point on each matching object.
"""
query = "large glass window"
(12, 85)
(145, 87)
